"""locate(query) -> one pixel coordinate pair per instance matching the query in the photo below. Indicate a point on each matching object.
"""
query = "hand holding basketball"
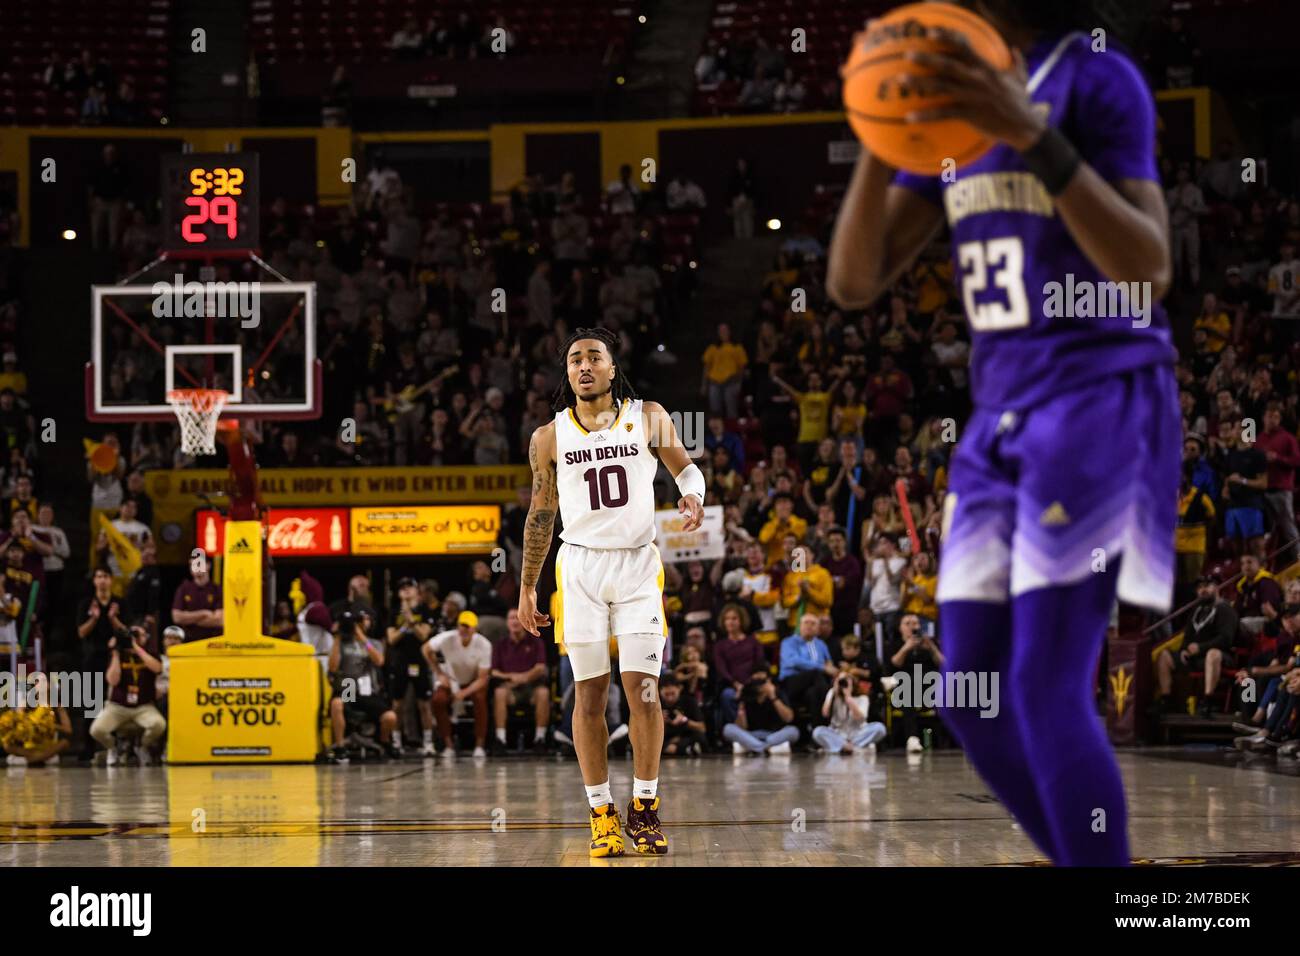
(994, 102)
(889, 107)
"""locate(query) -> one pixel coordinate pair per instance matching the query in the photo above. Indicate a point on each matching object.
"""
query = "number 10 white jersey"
(605, 480)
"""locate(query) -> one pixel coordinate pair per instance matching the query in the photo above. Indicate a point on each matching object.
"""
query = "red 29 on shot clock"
(209, 202)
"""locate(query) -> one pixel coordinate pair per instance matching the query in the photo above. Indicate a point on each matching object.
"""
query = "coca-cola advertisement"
(302, 532)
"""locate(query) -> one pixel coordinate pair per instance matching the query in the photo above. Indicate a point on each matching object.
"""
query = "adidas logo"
(600, 436)
(654, 620)
(653, 657)
(1055, 515)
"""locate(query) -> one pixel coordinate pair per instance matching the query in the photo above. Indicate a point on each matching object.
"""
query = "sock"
(428, 737)
(501, 734)
(397, 739)
(977, 638)
(599, 795)
(539, 733)
(645, 789)
(1057, 643)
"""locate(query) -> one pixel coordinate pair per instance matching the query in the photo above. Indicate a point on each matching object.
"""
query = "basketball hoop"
(197, 410)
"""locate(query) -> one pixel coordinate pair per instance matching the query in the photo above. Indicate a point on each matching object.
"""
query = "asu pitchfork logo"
(1120, 682)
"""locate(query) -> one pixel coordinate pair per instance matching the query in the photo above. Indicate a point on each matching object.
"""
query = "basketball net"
(197, 410)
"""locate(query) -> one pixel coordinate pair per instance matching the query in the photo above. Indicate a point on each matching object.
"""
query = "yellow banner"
(175, 494)
(463, 529)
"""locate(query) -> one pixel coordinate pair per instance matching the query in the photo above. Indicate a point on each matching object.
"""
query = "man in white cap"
(462, 674)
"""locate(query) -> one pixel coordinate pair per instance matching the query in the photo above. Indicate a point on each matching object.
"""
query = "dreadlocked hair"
(620, 389)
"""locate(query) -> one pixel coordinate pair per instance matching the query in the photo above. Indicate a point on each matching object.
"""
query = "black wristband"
(1053, 159)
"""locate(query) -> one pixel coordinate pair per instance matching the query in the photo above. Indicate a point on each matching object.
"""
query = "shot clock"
(210, 202)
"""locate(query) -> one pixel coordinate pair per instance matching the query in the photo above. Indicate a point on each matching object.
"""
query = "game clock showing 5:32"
(209, 202)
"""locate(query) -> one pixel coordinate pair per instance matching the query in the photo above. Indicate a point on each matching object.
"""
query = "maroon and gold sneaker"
(644, 828)
(606, 838)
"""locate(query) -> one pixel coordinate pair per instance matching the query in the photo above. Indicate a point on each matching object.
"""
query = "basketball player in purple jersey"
(1063, 488)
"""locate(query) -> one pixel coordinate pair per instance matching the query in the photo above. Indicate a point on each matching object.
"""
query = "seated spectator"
(1259, 596)
(758, 92)
(1268, 657)
(11, 376)
(910, 651)
(759, 587)
(684, 195)
(848, 729)
(1271, 721)
(737, 657)
(683, 721)
(854, 661)
(691, 672)
(806, 670)
(355, 666)
(789, 94)
(132, 674)
(461, 660)
(622, 194)
(407, 40)
(520, 673)
(1209, 635)
(764, 722)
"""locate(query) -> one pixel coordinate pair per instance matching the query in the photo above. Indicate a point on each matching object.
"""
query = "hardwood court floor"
(1185, 806)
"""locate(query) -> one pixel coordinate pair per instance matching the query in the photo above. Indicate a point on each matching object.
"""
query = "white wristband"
(690, 481)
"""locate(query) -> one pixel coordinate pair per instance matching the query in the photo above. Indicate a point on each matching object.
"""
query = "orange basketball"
(876, 105)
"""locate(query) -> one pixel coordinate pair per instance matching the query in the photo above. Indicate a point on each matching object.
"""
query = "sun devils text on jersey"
(605, 480)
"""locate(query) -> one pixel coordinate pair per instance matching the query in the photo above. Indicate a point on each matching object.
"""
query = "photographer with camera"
(132, 676)
(849, 729)
(355, 666)
(406, 637)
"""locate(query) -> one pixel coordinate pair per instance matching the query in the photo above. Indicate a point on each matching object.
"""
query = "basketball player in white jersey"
(597, 462)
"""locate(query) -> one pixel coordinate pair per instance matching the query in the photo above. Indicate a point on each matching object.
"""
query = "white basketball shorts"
(604, 591)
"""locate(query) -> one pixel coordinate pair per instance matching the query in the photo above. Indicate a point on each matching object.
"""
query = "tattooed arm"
(539, 525)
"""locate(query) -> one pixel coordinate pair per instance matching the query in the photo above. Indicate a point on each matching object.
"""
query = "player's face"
(590, 369)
